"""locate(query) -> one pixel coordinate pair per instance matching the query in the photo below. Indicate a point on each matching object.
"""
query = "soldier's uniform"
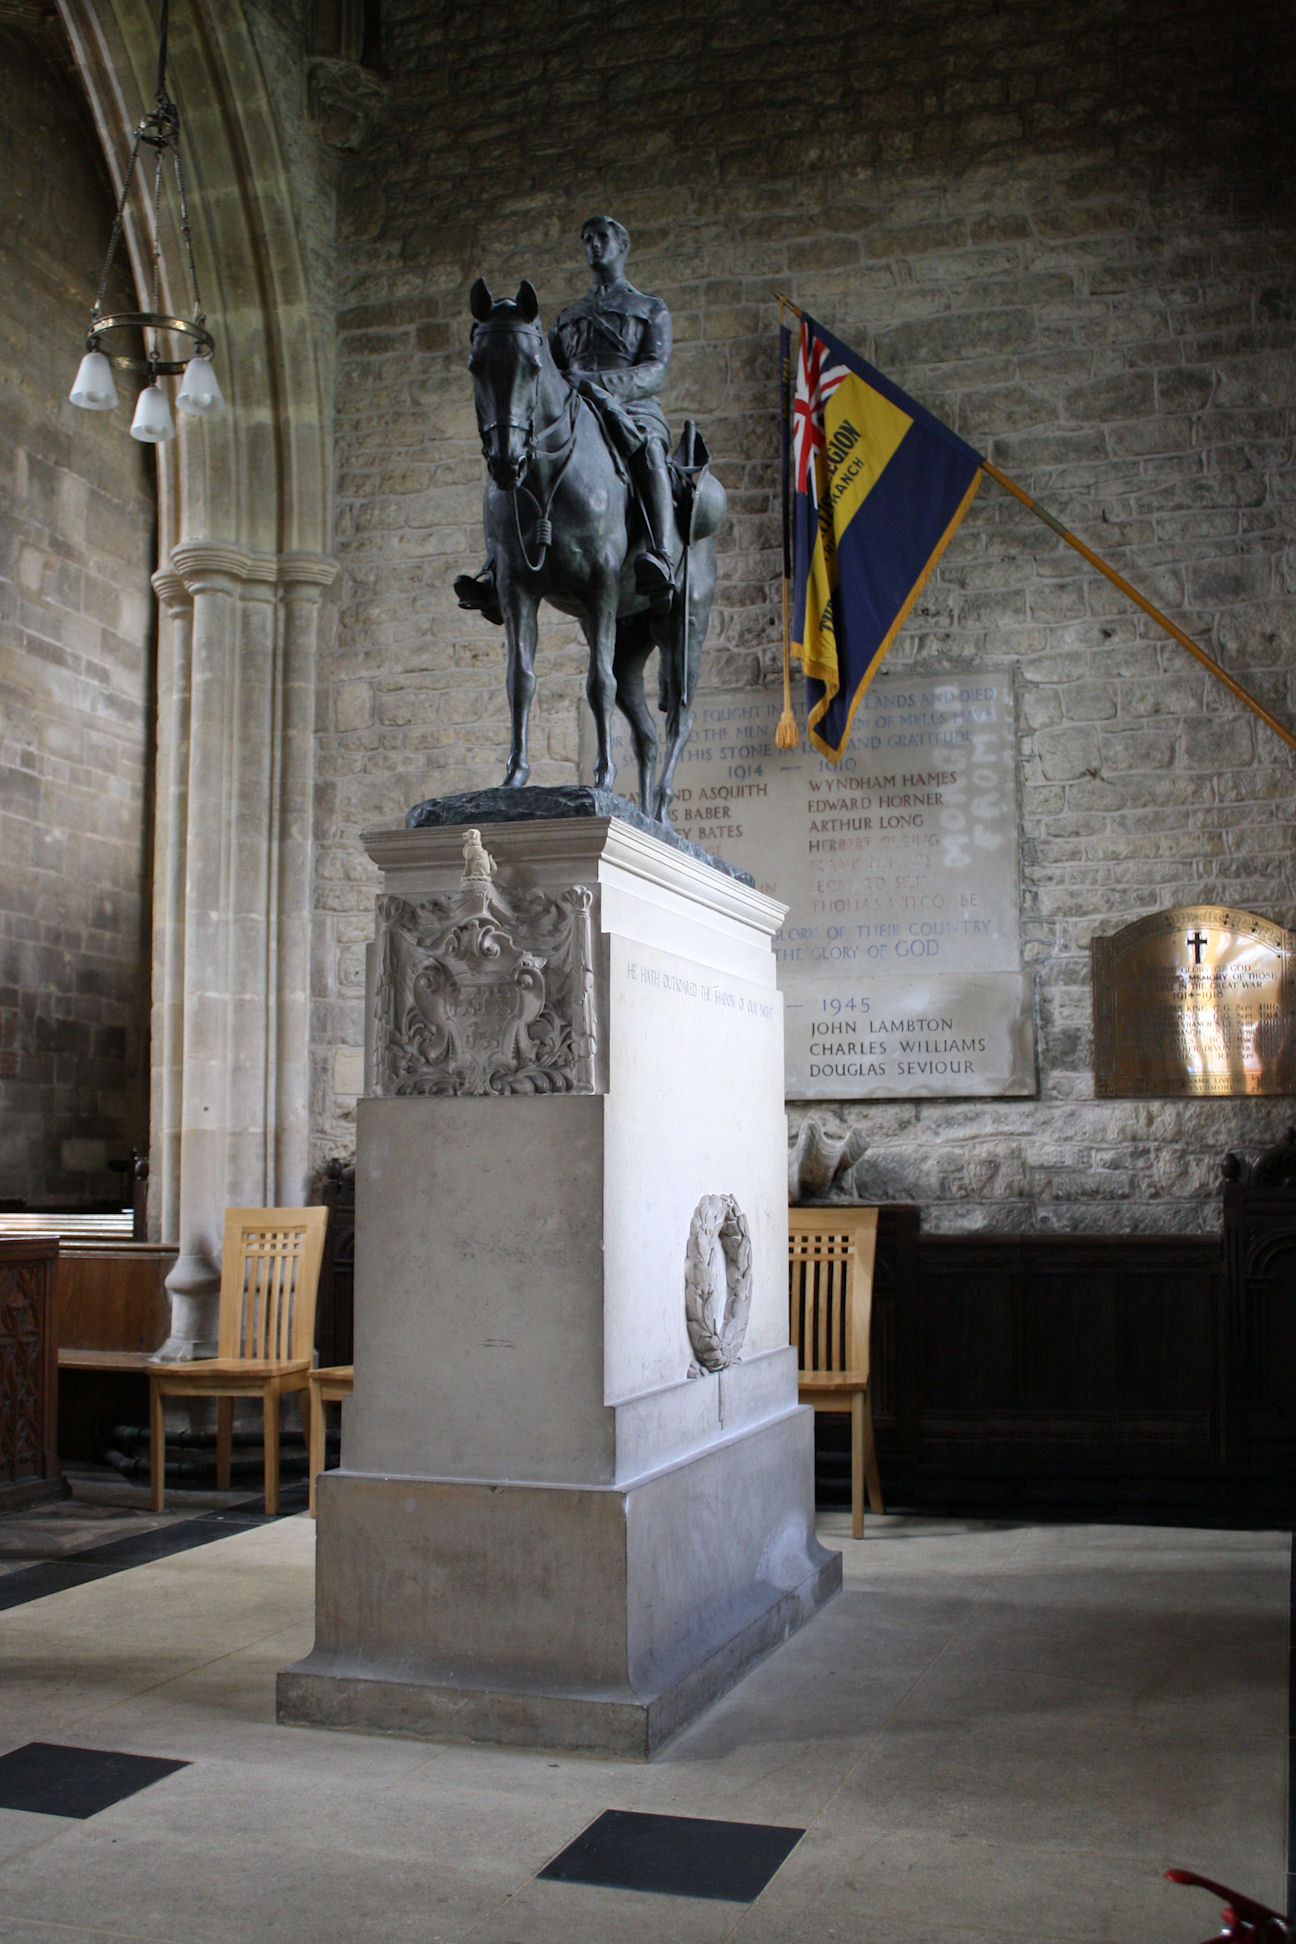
(621, 338)
(624, 336)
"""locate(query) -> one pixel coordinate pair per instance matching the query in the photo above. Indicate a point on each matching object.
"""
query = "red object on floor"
(1244, 1920)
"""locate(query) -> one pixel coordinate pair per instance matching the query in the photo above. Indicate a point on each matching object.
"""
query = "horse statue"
(563, 525)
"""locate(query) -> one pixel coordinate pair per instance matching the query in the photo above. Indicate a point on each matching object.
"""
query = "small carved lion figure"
(478, 862)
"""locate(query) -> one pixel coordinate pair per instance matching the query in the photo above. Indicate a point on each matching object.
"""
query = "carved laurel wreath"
(716, 1308)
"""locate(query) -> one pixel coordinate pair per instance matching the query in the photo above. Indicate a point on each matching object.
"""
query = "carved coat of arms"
(486, 990)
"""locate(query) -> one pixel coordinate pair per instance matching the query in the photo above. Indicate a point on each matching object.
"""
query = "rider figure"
(614, 344)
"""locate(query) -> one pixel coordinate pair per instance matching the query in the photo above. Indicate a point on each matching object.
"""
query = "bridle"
(531, 444)
(508, 327)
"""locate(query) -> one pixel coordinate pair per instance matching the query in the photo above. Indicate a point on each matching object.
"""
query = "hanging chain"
(157, 258)
(115, 238)
(164, 24)
(160, 128)
(187, 234)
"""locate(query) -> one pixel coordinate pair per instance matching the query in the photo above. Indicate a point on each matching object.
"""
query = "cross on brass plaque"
(1200, 999)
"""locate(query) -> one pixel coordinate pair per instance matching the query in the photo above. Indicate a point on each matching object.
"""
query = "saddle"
(698, 497)
(697, 512)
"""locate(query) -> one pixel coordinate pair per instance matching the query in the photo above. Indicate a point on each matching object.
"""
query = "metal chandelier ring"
(149, 321)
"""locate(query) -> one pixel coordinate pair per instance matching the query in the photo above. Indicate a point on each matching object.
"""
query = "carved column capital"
(171, 590)
(205, 565)
(260, 578)
(306, 575)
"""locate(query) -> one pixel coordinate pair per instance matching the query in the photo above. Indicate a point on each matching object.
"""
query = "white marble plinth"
(554, 1522)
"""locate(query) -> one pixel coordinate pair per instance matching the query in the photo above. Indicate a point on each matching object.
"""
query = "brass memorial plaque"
(1197, 1000)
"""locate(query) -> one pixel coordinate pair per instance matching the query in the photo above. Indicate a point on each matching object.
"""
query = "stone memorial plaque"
(1196, 1000)
(900, 960)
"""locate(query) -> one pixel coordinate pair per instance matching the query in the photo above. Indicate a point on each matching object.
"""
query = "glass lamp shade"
(200, 390)
(93, 389)
(152, 422)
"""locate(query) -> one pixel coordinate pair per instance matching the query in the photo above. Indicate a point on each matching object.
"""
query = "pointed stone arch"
(245, 525)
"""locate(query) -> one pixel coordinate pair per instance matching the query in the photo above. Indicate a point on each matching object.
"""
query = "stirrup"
(477, 593)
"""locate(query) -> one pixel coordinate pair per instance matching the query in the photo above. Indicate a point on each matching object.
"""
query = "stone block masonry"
(77, 518)
(1068, 230)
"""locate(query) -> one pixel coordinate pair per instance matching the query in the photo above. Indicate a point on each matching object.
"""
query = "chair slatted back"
(830, 1289)
(269, 1281)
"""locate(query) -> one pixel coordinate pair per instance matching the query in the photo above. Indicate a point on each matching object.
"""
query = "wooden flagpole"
(1162, 620)
(1198, 654)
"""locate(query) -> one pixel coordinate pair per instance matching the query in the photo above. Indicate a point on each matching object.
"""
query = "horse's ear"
(527, 302)
(480, 301)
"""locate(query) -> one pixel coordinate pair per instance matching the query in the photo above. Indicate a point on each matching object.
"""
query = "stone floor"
(101, 1510)
(996, 1732)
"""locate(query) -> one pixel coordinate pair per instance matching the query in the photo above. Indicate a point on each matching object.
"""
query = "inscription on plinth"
(1196, 1000)
(900, 958)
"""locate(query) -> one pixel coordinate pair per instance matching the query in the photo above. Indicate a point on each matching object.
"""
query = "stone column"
(212, 576)
(232, 909)
(303, 578)
(171, 819)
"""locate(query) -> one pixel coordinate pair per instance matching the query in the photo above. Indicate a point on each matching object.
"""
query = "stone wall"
(77, 512)
(1067, 229)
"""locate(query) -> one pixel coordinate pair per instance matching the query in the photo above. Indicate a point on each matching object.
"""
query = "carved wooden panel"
(28, 1367)
(334, 1310)
(1068, 1361)
(1112, 1375)
(1260, 1327)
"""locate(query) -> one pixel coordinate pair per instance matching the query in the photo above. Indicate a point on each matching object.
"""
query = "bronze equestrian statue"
(583, 509)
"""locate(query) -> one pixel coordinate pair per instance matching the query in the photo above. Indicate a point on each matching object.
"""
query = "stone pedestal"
(576, 1495)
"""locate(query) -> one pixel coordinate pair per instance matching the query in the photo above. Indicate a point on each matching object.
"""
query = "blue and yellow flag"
(878, 489)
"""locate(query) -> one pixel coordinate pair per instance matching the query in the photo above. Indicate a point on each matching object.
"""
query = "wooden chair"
(327, 1386)
(830, 1289)
(265, 1344)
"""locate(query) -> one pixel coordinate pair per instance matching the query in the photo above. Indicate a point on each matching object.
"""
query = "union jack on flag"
(816, 381)
(878, 488)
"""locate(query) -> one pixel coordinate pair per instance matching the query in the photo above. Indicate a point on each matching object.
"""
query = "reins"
(563, 453)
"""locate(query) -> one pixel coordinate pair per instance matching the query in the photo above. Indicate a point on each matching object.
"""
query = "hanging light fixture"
(94, 389)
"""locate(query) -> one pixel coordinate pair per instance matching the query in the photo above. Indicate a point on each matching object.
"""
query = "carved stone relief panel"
(486, 990)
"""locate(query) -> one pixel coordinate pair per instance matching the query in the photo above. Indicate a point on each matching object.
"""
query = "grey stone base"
(601, 1618)
(611, 1724)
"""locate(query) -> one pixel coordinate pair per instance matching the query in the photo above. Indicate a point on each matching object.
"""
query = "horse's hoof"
(516, 775)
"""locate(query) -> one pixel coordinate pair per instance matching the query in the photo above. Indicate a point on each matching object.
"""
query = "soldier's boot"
(479, 592)
(654, 575)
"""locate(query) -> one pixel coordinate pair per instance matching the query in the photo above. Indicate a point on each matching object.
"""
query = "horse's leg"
(600, 684)
(520, 634)
(681, 656)
(633, 647)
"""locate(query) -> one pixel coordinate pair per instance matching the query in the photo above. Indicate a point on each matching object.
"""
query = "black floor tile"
(141, 1548)
(47, 1576)
(677, 1856)
(47, 1779)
